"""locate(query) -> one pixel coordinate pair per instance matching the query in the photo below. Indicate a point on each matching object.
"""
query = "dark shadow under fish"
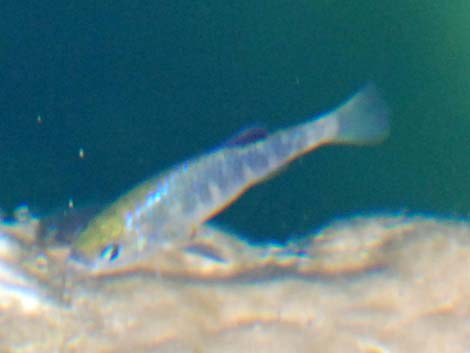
(62, 227)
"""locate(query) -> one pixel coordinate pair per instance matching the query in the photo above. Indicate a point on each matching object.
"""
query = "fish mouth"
(78, 260)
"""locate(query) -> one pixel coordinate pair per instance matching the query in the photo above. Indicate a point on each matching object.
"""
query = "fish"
(170, 207)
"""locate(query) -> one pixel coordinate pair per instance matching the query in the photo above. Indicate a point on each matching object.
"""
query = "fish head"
(105, 244)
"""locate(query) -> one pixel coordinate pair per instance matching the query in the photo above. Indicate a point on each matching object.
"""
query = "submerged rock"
(367, 284)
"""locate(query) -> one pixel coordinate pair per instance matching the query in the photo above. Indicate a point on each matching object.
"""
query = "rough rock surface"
(369, 285)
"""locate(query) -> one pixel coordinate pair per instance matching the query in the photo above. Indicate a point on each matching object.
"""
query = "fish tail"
(362, 119)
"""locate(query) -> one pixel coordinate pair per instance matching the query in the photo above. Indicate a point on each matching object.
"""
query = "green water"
(143, 85)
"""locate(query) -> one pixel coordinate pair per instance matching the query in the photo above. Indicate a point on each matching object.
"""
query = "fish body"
(171, 206)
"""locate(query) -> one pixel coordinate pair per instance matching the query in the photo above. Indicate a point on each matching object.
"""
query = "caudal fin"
(363, 118)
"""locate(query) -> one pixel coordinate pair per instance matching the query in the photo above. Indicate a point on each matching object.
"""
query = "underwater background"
(97, 96)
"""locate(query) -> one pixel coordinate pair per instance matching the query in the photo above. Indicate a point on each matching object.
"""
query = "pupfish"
(170, 207)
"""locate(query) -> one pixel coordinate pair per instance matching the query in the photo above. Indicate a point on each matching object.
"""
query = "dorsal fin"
(247, 136)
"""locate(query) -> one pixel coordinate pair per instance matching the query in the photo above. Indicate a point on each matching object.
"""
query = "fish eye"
(111, 252)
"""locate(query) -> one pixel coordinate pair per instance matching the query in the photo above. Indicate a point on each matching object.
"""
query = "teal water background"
(142, 85)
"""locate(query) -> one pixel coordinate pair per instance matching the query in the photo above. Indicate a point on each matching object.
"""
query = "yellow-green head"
(106, 238)
(97, 238)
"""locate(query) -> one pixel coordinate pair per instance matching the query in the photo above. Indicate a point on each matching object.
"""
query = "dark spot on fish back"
(247, 136)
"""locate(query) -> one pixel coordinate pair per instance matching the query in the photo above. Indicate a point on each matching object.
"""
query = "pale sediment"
(375, 284)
